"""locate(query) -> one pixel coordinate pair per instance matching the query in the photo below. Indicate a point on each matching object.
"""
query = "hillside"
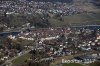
(91, 16)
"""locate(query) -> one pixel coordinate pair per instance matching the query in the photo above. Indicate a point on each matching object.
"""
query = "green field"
(85, 18)
(97, 63)
(72, 64)
(21, 60)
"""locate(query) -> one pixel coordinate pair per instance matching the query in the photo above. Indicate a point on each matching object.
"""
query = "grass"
(21, 60)
(72, 64)
(85, 18)
(97, 63)
(1, 55)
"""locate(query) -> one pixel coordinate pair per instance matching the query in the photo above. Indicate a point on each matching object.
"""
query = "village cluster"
(51, 43)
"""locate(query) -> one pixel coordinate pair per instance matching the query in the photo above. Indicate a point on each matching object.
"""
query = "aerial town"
(49, 33)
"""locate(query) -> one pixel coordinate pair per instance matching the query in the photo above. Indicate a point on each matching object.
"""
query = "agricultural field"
(85, 18)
